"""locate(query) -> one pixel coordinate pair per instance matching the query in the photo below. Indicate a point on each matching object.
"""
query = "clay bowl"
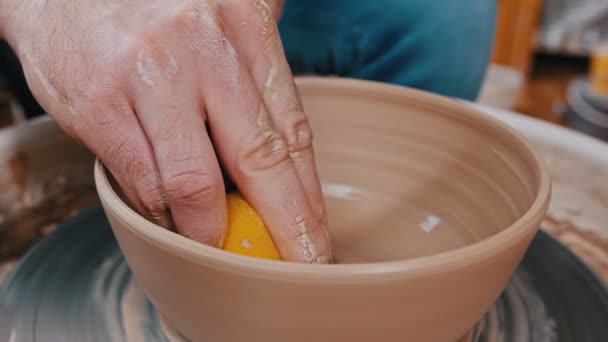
(431, 205)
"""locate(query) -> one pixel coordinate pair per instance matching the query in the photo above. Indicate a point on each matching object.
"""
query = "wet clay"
(405, 183)
(154, 64)
(424, 197)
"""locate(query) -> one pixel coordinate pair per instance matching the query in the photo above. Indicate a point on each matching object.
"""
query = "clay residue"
(310, 249)
(155, 64)
(271, 85)
(295, 156)
(142, 69)
(231, 65)
(272, 74)
(298, 135)
(265, 12)
(206, 37)
(264, 123)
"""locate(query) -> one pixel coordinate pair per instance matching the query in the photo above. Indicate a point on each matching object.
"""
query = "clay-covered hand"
(140, 81)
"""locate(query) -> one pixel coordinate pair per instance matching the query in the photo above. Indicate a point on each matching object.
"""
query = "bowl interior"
(408, 175)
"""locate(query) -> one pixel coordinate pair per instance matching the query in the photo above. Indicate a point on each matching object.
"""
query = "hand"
(276, 6)
(140, 81)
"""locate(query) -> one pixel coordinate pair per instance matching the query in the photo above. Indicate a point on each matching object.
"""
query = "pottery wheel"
(74, 285)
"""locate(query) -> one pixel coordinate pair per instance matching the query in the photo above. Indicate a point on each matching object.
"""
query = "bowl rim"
(473, 253)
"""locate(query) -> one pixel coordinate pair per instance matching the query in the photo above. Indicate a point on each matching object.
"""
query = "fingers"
(257, 158)
(172, 118)
(115, 136)
(263, 54)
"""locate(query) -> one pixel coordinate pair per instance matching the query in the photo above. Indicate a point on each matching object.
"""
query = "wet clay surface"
(405, 183)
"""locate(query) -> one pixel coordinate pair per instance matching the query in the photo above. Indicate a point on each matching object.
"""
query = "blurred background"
(551, 62)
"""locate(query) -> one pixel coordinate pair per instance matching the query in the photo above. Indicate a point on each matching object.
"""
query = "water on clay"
(368, 227)
(76, 286)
